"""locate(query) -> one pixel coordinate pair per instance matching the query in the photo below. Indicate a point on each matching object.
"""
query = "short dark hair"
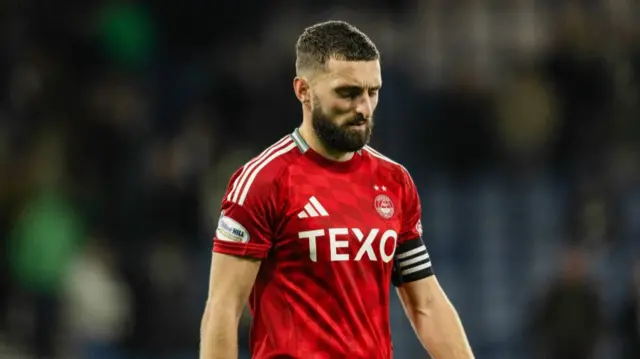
(332, 39)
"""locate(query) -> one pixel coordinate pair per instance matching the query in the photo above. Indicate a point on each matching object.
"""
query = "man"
(629, 322)
(314, 229)
(568, 323)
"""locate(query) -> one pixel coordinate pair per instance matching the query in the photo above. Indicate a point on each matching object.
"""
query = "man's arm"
(250, 210)
(230, 283)
(434, 319)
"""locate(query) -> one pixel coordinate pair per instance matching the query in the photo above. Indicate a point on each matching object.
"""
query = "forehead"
(365, 74)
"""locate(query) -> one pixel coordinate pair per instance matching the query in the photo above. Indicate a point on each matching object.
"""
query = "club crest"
(384, 206)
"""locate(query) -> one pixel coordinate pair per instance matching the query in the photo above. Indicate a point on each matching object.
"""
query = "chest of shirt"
(341, 219)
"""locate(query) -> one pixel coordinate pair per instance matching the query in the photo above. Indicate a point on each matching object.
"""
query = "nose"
(364, 106)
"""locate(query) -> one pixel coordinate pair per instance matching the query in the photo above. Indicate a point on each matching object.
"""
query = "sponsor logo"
(232, 231)
(352, 244)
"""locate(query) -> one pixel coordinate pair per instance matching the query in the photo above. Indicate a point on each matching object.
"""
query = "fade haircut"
(337, 40)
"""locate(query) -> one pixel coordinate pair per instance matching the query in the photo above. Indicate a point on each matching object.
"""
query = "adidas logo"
(313, 209)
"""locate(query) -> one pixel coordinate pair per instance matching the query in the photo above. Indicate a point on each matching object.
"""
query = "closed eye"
(349, 91)
(355, 91)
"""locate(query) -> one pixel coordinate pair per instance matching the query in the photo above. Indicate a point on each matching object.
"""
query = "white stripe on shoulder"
(291, 145)
(379, 155)
(246, 169)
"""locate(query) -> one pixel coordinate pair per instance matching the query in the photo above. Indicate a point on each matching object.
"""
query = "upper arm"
(244, 236)
(412, 261)
(230, 281)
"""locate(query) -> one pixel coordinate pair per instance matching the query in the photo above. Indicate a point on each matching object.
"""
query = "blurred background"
(121, 122)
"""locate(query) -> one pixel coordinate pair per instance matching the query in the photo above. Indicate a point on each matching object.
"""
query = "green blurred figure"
(42, 244)
(127, 33)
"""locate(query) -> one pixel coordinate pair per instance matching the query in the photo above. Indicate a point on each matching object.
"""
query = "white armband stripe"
(411, 252)
(421, 258)
(416, 268)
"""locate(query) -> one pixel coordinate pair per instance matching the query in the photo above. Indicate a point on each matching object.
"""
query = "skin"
(344, 92)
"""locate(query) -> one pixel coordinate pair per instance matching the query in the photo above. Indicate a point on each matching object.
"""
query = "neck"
(309, 135)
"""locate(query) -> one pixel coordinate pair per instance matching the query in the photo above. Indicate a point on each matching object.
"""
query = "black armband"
(411, 262)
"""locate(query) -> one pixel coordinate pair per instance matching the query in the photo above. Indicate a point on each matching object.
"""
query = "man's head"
(338, 79)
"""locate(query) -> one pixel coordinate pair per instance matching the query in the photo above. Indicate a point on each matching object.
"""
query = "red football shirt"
(331, 237)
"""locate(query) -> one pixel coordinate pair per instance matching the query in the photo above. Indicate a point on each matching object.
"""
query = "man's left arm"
(434, 319)
(432, 315)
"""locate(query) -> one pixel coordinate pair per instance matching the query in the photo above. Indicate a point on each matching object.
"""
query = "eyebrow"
(357, 87)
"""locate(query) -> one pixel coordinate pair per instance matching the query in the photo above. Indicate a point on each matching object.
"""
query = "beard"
(340, 137)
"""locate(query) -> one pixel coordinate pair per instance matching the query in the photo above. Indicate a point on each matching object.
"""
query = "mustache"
(356, 120)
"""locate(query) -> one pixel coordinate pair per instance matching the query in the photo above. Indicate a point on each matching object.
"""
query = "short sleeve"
(245, 226)
(411, 212)
(412, 260)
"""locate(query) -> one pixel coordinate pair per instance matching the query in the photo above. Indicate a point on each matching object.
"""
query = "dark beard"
(340, 138)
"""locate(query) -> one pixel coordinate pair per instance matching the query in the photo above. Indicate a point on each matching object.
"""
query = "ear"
(302, 90)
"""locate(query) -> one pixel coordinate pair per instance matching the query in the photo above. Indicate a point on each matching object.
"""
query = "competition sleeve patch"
(231, 231)
(412, 262)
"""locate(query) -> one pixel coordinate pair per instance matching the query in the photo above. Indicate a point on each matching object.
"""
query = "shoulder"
(386, 164)
(261, 174)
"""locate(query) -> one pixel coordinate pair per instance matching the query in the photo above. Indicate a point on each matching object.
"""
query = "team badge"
(384, 206)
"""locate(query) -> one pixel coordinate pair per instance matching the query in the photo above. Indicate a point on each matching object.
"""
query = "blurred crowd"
(121, 122)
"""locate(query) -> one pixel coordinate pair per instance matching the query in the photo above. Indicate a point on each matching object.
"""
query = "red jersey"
(332, 236)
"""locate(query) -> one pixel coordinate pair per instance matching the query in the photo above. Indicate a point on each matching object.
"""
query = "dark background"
(121, 122)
